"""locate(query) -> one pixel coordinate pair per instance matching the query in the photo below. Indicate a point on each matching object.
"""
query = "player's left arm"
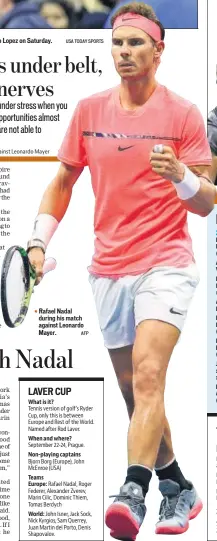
(203, 201)
(193, 184)
(188, 167)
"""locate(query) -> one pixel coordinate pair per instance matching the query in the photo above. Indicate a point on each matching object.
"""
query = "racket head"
(17, 281)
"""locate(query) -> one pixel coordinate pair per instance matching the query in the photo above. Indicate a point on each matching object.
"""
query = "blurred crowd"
(89, 13)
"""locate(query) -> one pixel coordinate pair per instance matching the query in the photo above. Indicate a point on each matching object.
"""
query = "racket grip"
(49, 265)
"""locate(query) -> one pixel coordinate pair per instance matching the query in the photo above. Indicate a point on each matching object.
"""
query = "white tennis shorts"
(163, 293)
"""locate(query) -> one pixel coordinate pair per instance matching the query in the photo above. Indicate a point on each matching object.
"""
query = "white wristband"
(44, 227)
(189, 186)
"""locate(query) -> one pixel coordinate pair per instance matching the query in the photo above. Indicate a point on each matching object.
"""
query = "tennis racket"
(17, 284)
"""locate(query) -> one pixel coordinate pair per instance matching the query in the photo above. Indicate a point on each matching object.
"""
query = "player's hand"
(36, 257)
(166, 164)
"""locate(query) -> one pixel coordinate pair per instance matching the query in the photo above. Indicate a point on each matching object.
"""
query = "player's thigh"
(115, 309)
(161, 305)
(165, 295)
(153, 347)
(121, 359)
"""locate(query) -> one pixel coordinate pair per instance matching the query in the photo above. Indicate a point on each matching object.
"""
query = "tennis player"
(212, 138)
(149, 160)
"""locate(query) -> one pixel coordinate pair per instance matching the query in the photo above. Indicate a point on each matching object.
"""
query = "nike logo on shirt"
(125, 148)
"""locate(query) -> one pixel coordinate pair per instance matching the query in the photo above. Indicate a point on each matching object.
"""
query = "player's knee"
(149, 378)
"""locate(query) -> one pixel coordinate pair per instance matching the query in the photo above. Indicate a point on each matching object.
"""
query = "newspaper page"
(211, 280)
(64, 406)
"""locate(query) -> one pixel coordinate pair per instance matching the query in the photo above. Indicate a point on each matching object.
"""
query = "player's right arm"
(55, 201)
(57, 196)
(52, 208)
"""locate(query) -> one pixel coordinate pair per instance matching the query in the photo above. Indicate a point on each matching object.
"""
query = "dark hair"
(63, 3)
(141, 9)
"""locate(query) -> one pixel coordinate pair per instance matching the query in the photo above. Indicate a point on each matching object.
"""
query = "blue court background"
(171, 13)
